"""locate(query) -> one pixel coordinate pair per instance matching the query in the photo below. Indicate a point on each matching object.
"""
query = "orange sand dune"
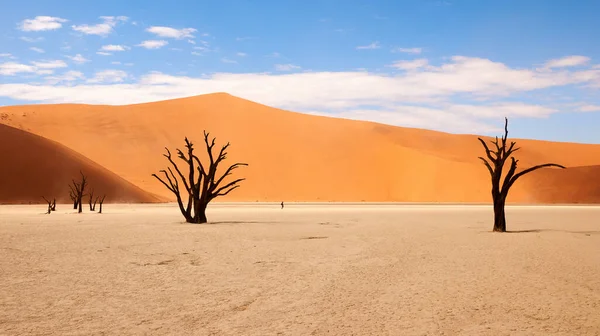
(298, 157)
(33, 167)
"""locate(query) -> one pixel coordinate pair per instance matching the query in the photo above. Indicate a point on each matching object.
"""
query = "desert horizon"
(443, 167)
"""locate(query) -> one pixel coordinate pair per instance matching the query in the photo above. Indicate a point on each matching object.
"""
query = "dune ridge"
(299, 157)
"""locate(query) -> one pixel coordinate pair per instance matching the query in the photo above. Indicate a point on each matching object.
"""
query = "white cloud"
(408, 50)
(410, 65)
(128, 64)
(101, 29)
(227, 60)
(108, 76)
(286, 67)
(12, 68)
(374, 45)
(191, 42)
(68, 76)
(103, 53)
(113, 47)
(31, 39)
(422, 98)
(568, 61)
(41, 23)
(50, 64)
(115, 62)
(153, 44)
(37, 50)
(40, 68)
(169, 32)
(6, 55)
(589, 108)
(241, 54)
(245, 38)
(78, 59)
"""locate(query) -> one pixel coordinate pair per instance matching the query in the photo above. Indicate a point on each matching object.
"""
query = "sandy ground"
(303, 270)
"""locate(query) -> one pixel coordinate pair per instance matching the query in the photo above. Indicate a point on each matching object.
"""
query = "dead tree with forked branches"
(77, 190)
(73, 196)
(51, 205)
(91, 196)
(494, 161)
(203, 187)
(100, 201)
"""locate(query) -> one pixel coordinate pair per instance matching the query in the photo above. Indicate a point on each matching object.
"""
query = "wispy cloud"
(103, 53)
(227, 60)
(153, 44)
(101, 29)
(408, 50)
(589, 108)
(31, 39)
(410, 65)
(109, 76)
(41, 23)
(40, 67)
(79, 59)
(241, 54)
(37, 50)
(568, 61)
(374, 45)
(113, 47)
(169, 32)
(245, 38)
(286, 67)
(68, 76)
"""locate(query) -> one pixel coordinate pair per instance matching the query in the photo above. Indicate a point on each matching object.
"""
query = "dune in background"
(299, 157)
(33, 167)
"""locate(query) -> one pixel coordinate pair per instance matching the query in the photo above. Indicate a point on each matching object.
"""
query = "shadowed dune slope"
(299, 157)
(33, 167)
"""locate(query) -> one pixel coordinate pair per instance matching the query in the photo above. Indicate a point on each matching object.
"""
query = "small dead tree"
(101, 201)
(73, 195)
(51, 205)
(77, 190)
(204, 187)
(494, 161)
(91, 196)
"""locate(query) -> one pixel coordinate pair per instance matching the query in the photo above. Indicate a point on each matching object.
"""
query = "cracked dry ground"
(304, 270)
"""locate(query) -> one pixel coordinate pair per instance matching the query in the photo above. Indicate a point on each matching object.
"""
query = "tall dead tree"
(78, 190)
(101, 201)
(203, 187)
(494, 161)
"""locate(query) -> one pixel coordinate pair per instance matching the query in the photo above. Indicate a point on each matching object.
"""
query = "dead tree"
(78, 190)
(91, 196)
(494, 161)
(50, 206)
(54, 204)
(204, 187)
(73, 195)
(101, 201)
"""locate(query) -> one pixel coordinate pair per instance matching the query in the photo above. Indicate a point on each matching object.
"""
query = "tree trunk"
(80, 209)
(499, 215)
(74, 205)
(199, 214)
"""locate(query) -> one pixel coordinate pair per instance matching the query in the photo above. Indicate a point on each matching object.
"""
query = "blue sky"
(449, 65)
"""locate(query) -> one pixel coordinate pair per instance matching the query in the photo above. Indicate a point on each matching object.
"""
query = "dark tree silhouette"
(101, 201)
(73, 195)
(91, 196)
(51, 205)
(204, 187)
(78, 189)
(494, 161)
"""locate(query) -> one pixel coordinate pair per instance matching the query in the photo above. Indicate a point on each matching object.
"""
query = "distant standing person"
(282, 205)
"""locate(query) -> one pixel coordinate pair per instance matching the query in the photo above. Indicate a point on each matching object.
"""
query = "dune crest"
(299, 157)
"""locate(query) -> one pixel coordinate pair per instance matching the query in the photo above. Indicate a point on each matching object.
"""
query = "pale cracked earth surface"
(304, 270)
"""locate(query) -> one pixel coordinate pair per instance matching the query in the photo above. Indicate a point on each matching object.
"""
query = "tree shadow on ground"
(552, 230)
